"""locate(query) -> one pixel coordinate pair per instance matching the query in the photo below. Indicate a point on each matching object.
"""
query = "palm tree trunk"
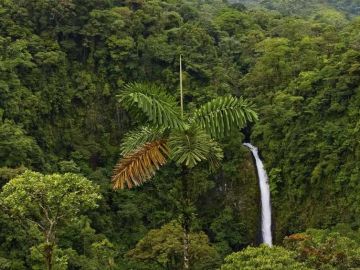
(186, 219)
(186, 244)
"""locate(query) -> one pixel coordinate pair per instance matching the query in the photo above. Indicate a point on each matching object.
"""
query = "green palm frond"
(189, 147)
(215, 156)
(137, 138)
(222, 114)
(160, 108)
(139, 166)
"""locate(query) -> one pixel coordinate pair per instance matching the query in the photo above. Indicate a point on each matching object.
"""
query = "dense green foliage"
(305, 7)
(336, 248)
(42, 205)
(63, 62)
(263, 258)
(164, 246)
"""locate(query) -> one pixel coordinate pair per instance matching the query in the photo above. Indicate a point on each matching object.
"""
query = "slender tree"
(187, 138)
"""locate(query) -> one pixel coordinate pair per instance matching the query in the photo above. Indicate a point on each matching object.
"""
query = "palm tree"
(171, 134)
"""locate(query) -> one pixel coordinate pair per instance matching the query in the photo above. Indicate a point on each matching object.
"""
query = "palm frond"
(222, 114)
(160, 108)
(189, 147)
(137, 138)
(139, 166)
(215, 155)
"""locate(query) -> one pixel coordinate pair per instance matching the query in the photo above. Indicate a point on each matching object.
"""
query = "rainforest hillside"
(63, 65)
(304, 7)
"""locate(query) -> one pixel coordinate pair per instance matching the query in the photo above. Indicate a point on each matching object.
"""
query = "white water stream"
(265, 196)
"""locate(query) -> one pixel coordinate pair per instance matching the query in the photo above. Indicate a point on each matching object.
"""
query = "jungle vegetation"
(82, 85)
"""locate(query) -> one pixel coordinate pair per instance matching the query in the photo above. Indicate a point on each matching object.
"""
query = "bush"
(263, 258)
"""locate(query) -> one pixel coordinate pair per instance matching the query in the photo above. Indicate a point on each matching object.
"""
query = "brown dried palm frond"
(140, 165)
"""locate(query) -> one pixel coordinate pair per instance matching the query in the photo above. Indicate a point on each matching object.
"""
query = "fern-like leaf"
(160, 108)
(137, 138)
(139, 166)
(222, 114)
(192, 146)
(215, 155)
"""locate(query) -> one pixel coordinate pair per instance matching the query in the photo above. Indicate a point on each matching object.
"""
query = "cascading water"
(265, 196)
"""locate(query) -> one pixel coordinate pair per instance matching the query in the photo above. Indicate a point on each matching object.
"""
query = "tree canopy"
(64, 66)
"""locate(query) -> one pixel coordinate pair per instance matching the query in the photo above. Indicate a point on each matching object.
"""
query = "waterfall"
(265, 196)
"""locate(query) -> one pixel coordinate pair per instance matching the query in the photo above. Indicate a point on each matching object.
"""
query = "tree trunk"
(186, 243)
(186, 218)
(48, 252)
(49, 246)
